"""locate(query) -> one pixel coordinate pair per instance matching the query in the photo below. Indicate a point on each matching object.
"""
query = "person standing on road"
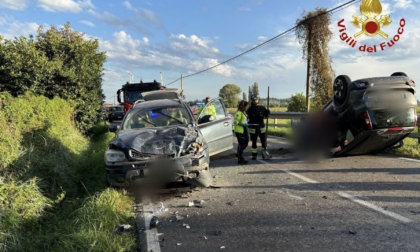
(257, 113)
(210, 110)
(240, 126)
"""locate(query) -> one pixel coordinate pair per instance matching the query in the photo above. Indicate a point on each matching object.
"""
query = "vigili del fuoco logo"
(371, 24)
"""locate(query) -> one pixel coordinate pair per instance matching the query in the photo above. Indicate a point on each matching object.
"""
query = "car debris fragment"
(161, 209)
(154, 222)
(352, 231)
(122, 228)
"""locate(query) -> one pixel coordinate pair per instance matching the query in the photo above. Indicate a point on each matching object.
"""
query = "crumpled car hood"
(160, 141)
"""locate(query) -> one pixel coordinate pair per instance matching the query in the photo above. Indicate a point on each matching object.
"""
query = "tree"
(297, 103)
(314, 34)
(255, 89)
(244, 96)
(249, 93)
(59, 63)
(230, 94)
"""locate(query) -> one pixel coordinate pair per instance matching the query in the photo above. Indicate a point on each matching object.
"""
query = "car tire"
(340, 91)
(340, 87)
(399, 74)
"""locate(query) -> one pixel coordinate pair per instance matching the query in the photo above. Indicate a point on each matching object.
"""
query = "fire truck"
(132, 92)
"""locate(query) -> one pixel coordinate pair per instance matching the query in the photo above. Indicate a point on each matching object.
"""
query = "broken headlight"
(114, 155)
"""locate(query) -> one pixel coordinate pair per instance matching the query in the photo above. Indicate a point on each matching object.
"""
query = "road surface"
(368, 203)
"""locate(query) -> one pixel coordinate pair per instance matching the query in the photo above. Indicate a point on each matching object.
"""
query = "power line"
(338, 8)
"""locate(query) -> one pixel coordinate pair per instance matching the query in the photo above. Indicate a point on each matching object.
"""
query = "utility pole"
(308, 73)
(182, 82)
(161, 78)
(114, 100)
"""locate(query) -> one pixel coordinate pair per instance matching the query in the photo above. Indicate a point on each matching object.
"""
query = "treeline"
(56, 63)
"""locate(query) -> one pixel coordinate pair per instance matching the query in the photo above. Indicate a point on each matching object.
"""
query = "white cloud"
(88, 23)
(245, 9)
(127, 5)
(14, 4)
(64, 5)
(262, 38)
(148, 3)
(403, 4)
(241, 46)
(17, 28)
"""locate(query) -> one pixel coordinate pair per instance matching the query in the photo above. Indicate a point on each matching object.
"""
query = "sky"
(146, 38)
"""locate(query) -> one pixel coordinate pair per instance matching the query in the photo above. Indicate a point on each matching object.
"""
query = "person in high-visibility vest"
(210, 110)
(257, 113)
(240, 126)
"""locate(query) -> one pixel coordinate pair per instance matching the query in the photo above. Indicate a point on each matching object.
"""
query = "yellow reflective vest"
(210, 110)
(239, 119)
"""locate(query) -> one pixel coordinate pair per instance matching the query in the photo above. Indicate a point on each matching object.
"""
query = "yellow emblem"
(371, 26)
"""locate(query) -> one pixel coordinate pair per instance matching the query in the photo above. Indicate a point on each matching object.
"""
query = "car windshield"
(133, 96)
(156, 117)
(394, 118)
(116, 109)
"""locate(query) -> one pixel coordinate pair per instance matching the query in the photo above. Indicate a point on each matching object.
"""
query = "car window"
(394, 118)
(118, 109)
(214, 109)
(156, 117)
(132, 96)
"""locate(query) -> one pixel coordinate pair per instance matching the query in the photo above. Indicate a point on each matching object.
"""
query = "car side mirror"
(205, 119)
(113, 128)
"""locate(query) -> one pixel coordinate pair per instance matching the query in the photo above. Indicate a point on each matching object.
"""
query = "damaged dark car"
(365, 116)
(160, 140)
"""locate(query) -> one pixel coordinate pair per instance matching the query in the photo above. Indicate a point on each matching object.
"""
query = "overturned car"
(159, 140)
(364, 116)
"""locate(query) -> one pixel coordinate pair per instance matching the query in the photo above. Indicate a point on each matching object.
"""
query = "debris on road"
(154, 222)
(232, 203)
(218, 233)
(415, 212)
(161, 209)
(324, 197)
(186, 225)
(222, 247)
(261, 192)
(352, 231)
(179, 218)
(179, 244)
(122, 228)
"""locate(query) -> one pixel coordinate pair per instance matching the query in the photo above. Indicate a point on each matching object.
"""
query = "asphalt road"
(367, 203)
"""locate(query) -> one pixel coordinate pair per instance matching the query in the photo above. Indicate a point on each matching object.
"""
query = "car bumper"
(117, 117)
(193, 170)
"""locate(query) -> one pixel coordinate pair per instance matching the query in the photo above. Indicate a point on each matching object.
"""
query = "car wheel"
(340, 87)
(399, 74)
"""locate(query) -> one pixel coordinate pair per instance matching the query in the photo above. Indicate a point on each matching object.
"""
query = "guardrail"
(299, 115)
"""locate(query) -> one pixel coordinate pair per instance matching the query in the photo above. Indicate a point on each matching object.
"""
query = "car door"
(217, 131)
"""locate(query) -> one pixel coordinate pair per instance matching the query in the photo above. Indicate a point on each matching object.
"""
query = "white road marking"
(152, 239)
(350, 197)
(410, 159)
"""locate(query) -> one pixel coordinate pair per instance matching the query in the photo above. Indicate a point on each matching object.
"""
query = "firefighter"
(210, 110)
(240, 126)
(256, 114)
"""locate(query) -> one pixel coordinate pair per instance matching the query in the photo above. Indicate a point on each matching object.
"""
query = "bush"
(59, 63)
(297, 103)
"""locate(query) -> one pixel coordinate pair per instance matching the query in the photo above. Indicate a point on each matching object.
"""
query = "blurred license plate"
(119, 117)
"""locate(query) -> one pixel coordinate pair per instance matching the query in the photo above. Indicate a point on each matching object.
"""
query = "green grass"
(410, 149)
(52, 182)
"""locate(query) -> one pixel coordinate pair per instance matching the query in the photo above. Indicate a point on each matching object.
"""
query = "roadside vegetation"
(52, 182)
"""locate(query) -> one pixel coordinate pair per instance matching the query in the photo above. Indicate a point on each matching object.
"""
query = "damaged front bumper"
(130, 173)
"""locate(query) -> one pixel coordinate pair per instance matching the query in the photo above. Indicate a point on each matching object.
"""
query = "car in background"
(114, 113)
(371, 114)
(159, 140)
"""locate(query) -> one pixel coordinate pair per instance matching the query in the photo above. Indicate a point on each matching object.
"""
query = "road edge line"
(149, 240)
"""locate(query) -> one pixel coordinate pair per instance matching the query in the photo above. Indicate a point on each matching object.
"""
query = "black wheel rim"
(339, 88)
